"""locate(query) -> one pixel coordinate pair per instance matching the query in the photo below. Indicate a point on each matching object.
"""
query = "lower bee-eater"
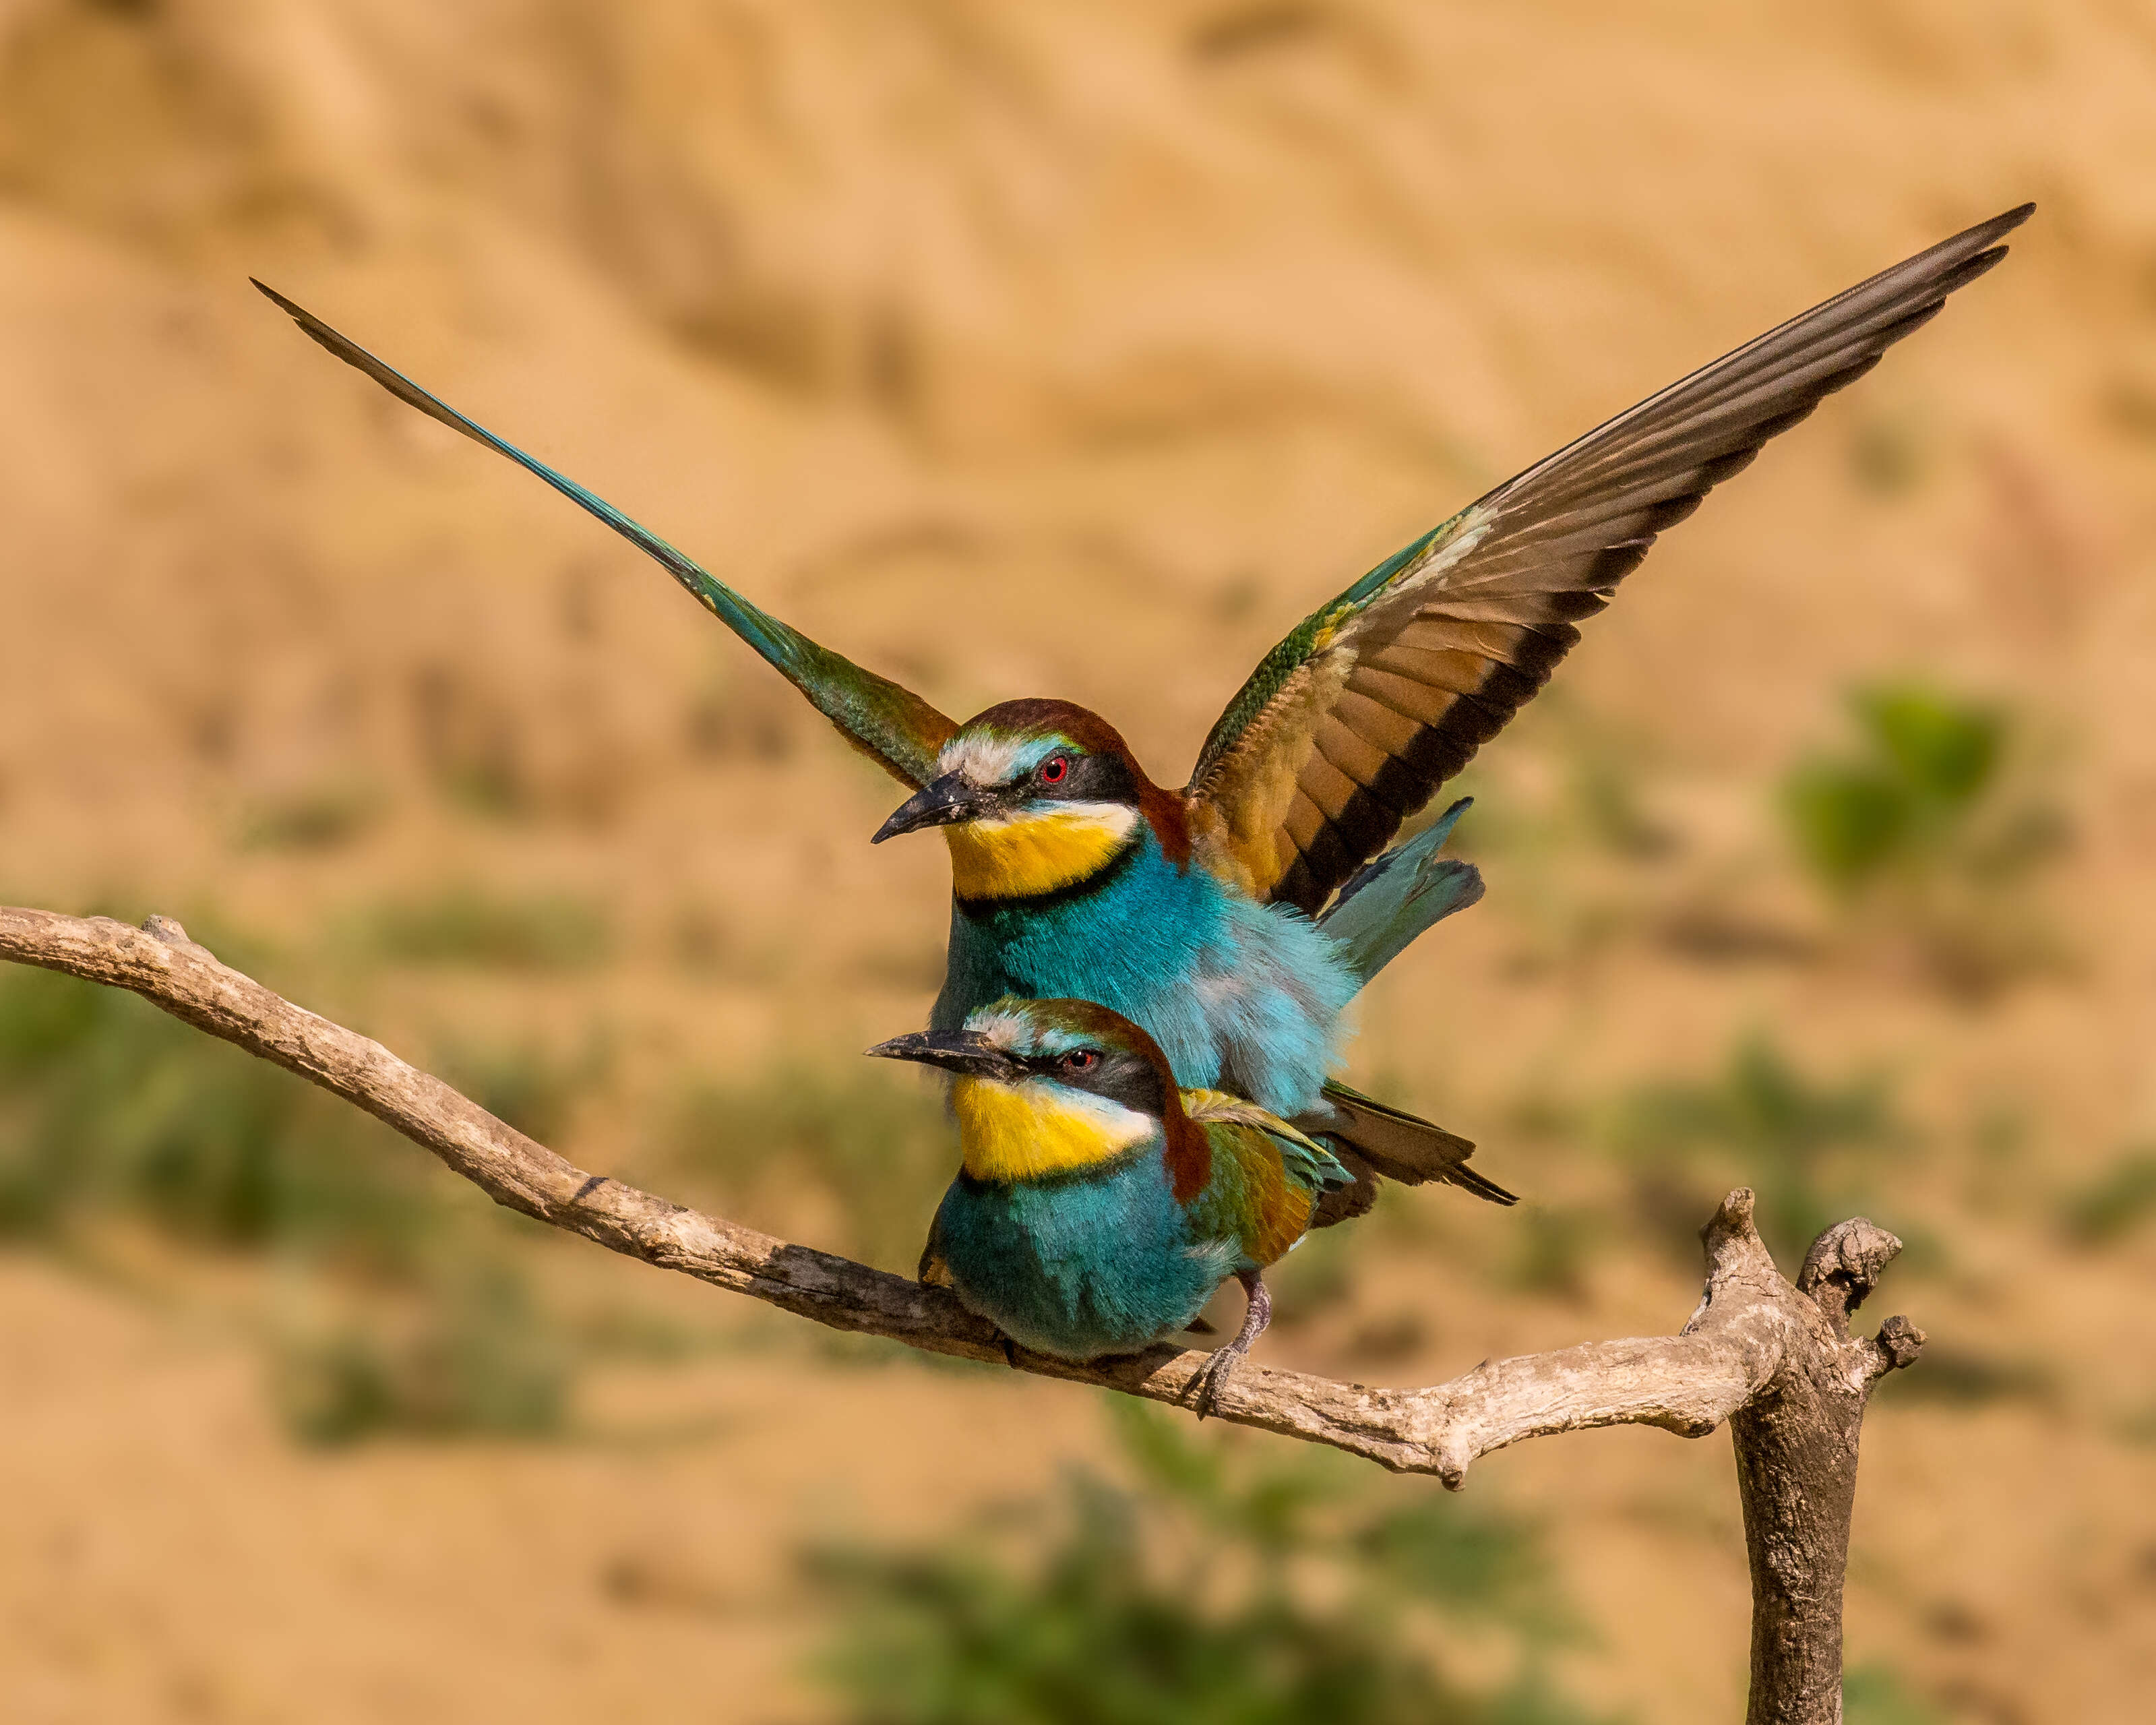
(1098, 1207)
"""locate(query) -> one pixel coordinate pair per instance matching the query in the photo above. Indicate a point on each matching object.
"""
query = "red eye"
(1083, 1060)
(1054, 769)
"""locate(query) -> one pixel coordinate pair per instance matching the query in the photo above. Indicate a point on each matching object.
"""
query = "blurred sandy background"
(1026, 349)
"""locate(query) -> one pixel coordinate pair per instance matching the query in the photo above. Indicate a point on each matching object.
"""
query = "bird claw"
(1214, 1372)
(1205, 1387)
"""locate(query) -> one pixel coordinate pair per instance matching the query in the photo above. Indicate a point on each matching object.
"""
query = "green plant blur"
(113, 1114)
(1214, 1582)
(1923, 826)
(1809, 1147)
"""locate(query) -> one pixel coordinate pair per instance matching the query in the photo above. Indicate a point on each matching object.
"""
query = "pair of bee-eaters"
(1143, 1000)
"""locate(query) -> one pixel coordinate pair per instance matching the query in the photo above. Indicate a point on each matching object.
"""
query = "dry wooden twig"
(1775, 1359)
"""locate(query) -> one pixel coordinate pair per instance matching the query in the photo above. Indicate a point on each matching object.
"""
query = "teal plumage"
(1242, 996)
(1393, 899)
(1101, 1206)
(1075, 1268)
(1193, 911)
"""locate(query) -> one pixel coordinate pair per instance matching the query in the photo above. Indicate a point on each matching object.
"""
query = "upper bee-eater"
(1234, 919)
(1099, 1206)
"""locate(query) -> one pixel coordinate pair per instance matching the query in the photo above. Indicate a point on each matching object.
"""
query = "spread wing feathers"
(892, 726)
(1351, 724)
(1398, 1145)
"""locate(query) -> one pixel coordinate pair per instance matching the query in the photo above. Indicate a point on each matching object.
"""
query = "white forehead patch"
(1007, 1031)
(986, 760)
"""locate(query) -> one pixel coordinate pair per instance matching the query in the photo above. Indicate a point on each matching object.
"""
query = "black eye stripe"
(1083, 778)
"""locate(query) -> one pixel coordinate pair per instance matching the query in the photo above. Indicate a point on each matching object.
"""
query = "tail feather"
(1372, 1139)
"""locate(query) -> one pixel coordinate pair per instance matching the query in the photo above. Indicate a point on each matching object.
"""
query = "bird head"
(1041, 1087)
(1034, 796)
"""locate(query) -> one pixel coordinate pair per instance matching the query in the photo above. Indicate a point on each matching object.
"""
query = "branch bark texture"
(1774, 1358)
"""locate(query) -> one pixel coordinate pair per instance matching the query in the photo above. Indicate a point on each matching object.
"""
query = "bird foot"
(1205, 1387)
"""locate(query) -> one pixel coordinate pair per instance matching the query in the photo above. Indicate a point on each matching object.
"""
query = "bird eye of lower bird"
(1080, 1060)
(1054, 769)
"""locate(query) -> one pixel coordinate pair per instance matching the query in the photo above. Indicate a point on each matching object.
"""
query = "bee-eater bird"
(1214, 917)
(1099, 1206)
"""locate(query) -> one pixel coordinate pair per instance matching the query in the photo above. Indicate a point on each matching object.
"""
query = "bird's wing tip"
(1988, 234)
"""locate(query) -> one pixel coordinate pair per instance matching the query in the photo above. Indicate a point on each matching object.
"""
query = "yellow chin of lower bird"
(1029, 1130)
(1030, 855)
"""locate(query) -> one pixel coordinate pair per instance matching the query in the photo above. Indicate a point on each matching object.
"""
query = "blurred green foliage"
(532, 1085)
(862, 1157)
(471, 1357)
(1906, 794)
(1807, 1147)
(1216, 1584)
(1921, 824)
(1888, 453)
(2114, 1203)
(1874, 1694)
(1556, 1245)
(469, 924)
(1967, 1378)
(1317, 1278)
(1564, 822)
(108, 1107)
(321, 817)
(112, 1111)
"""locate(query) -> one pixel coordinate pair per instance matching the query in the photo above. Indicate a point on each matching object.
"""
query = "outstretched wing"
(892, 726)
(1353, 722)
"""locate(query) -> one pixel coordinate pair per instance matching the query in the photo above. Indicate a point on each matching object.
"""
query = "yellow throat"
(1033, 854)
(1022, 1131)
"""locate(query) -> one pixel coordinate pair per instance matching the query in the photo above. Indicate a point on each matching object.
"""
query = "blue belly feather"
(1098, 1262)
(1240, 996)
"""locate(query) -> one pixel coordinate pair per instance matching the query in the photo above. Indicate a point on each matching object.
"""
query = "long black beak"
(948, 801)
(963, 1051)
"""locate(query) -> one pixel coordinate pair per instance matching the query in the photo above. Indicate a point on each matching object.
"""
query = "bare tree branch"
(1775, 1359)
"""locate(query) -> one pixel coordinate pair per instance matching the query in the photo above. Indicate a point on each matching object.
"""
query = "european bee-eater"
(1203, 914)
(1098, 1207)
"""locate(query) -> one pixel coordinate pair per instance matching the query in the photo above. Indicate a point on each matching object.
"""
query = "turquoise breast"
(1099, 1262)
(1240, 996)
